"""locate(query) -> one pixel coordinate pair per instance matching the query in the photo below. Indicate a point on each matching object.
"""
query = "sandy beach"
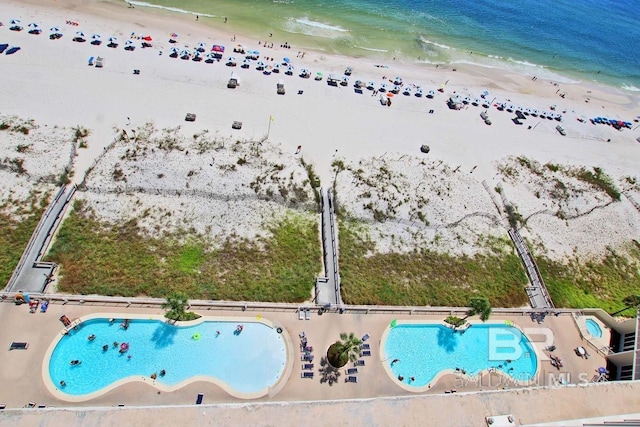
(50, 83)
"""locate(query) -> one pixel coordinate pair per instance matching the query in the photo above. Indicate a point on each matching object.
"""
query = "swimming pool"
(248, 362)
(425, 350)
(593, 328)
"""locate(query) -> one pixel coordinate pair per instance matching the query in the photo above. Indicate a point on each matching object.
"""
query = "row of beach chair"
(306, 356)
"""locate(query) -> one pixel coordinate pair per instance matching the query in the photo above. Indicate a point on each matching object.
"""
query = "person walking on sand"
(299, 148)
(197, 17)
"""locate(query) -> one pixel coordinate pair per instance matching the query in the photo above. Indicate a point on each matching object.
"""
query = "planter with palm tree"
(345, 350)
(176, 305)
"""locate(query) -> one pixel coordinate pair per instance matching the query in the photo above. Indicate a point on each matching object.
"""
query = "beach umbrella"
(33, 25)
(173, 35)
(394, 322)
(79, 34)
(128, 43)
(286, 60)
(147, 38)
(54, 29)
(113, 39)
(602, 370)
(174, 50)
(14, 22)
(217, 48)
(96, 37)
(185, 52)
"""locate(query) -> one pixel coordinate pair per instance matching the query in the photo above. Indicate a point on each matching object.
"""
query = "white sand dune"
(49, 81)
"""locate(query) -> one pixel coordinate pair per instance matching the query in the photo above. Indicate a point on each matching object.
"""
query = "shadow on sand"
(328, 374)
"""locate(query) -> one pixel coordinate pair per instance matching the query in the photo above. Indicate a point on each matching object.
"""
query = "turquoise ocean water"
(572, 39)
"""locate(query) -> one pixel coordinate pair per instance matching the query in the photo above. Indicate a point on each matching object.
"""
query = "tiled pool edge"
(271, 391)
(413, 389)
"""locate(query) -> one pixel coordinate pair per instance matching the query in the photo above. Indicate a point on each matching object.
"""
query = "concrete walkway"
(328, 288)
(31, 274)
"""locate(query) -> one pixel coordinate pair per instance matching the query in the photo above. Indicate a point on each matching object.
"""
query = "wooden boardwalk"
(538, 295)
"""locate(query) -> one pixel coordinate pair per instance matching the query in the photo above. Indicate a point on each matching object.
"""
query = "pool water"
(248, 362)
(593, 328)
(422, 351)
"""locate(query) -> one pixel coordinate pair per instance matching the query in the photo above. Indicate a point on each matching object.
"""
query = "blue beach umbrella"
(286, 60)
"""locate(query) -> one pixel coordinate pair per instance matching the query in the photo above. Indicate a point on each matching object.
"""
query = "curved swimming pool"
(248, 362)
(594, 329)
(419, 352)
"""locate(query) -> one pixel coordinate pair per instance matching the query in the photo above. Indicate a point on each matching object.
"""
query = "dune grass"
(17, 223)
(106, 259)
(427, 278)
(597, 284)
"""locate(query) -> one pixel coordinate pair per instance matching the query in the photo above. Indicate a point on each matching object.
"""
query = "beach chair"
(351, 371)
(30, 405)
(199, 398)
(44, 306)
(358, 362)
(2, 406)
(365, 337)
(308, 349)
(18, 345)
(300, 314)
(306, 375)
(308, 366)
(351, 379)
(307, 314)
(307, 358)
(302, 335)
(366, 353)
(365, 346)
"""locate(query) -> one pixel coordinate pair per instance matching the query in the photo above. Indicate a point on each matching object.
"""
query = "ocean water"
(572, 39)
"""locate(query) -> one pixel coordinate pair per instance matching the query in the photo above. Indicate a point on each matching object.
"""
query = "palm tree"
(175, 305)
(629, 302)
(345, 350)
(481, 306)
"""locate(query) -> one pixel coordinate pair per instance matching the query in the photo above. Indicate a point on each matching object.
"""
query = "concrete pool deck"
(23, 368)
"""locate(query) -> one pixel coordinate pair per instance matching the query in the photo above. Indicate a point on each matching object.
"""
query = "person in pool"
(62, 383)
(91, 337)
(75, 362)
(163, 373)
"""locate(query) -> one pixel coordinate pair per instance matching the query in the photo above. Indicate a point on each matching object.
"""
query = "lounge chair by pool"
(351, 371)
(18, 345)
(365, 346)
(351, 379)
(365, 337)
(308, 366)
(307, 314)
(366, 353)
(359, 362)
(199, 398)
(306, 375)
(300, 314)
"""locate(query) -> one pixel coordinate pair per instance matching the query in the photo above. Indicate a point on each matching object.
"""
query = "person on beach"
(197, 17)
(299, 148)
(225, 19)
